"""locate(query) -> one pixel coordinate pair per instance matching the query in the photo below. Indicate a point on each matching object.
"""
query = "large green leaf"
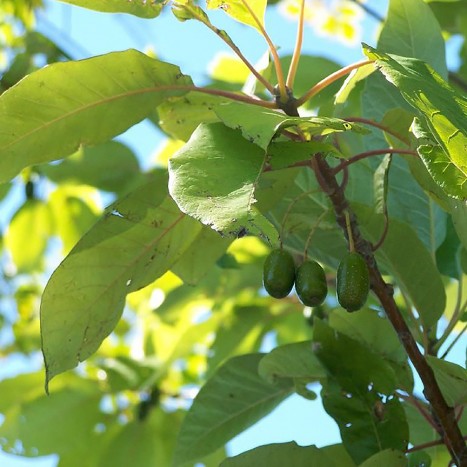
(389, 457)
(137, 240)
(62, 423)
(238, 10)
(296, 361)
(201, 256)
(213, 178)
(452, 380)
(459, 219)
(141, 8)
(111, 166)
(240, 332)
(148, 442)
(53, 111)
(352, 364)
(411, 30)
(28, 234)
(179, 116)
(231, 401)
(280, 455)
(444, 112)
(377, 334)
(368, 423)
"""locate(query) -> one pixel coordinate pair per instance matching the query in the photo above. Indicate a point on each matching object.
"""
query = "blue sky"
(85, 33)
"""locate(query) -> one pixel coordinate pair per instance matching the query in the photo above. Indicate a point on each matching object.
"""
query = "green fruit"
(310, 283)
(353, 282)
(279, 273)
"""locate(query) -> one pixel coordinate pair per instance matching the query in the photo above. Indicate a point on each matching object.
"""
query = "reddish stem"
(374, 152)
(380, 126)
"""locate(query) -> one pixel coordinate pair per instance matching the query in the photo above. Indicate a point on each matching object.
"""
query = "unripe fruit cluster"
(352, 282)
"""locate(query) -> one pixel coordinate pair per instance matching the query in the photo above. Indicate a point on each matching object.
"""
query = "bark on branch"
(444, 415)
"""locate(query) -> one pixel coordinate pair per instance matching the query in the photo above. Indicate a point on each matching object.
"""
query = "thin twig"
(374, 152)
(217, 92)
(272, 49)
(227, 40)
(454, 342)
(382, 127)
(298, 47)
(429, 444)
(425, 414)
(330, 79)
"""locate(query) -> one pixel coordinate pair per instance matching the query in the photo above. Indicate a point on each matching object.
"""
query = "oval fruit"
(310, 283)
(353, 282)
(279, 273)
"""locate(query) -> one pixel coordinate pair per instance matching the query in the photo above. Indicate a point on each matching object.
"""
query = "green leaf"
(452, 380)
(351, 363)
(283, 154)
(238, 10)
(459, 219)
(53, 111)
(28, 234)
(111, 166)
(367, 422)
(260, 125)
(379, 336)
(444, 112)
(137, 240)
(145, 442)
(280, 455)
(388, 457)
(404, 256)
(380, 184)
(240, 332)
(295, 361)
(61, 423)
(141, 8)
(411, 30)
(74, 213)
(231, 401)
(179, 116)
(447, 254)
(201, 256)
(213, 178)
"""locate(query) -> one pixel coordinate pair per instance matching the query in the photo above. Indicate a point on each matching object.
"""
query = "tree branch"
(444, 415)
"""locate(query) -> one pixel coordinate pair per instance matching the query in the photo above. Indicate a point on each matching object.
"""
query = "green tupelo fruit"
(279, 273)
(310, 283)
(353, 282)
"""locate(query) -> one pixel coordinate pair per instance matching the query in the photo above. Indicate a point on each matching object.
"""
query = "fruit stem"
(298, 47)
(349, 232)
(312, 231)
(330, 79)
(289, 209)
(277, 64)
